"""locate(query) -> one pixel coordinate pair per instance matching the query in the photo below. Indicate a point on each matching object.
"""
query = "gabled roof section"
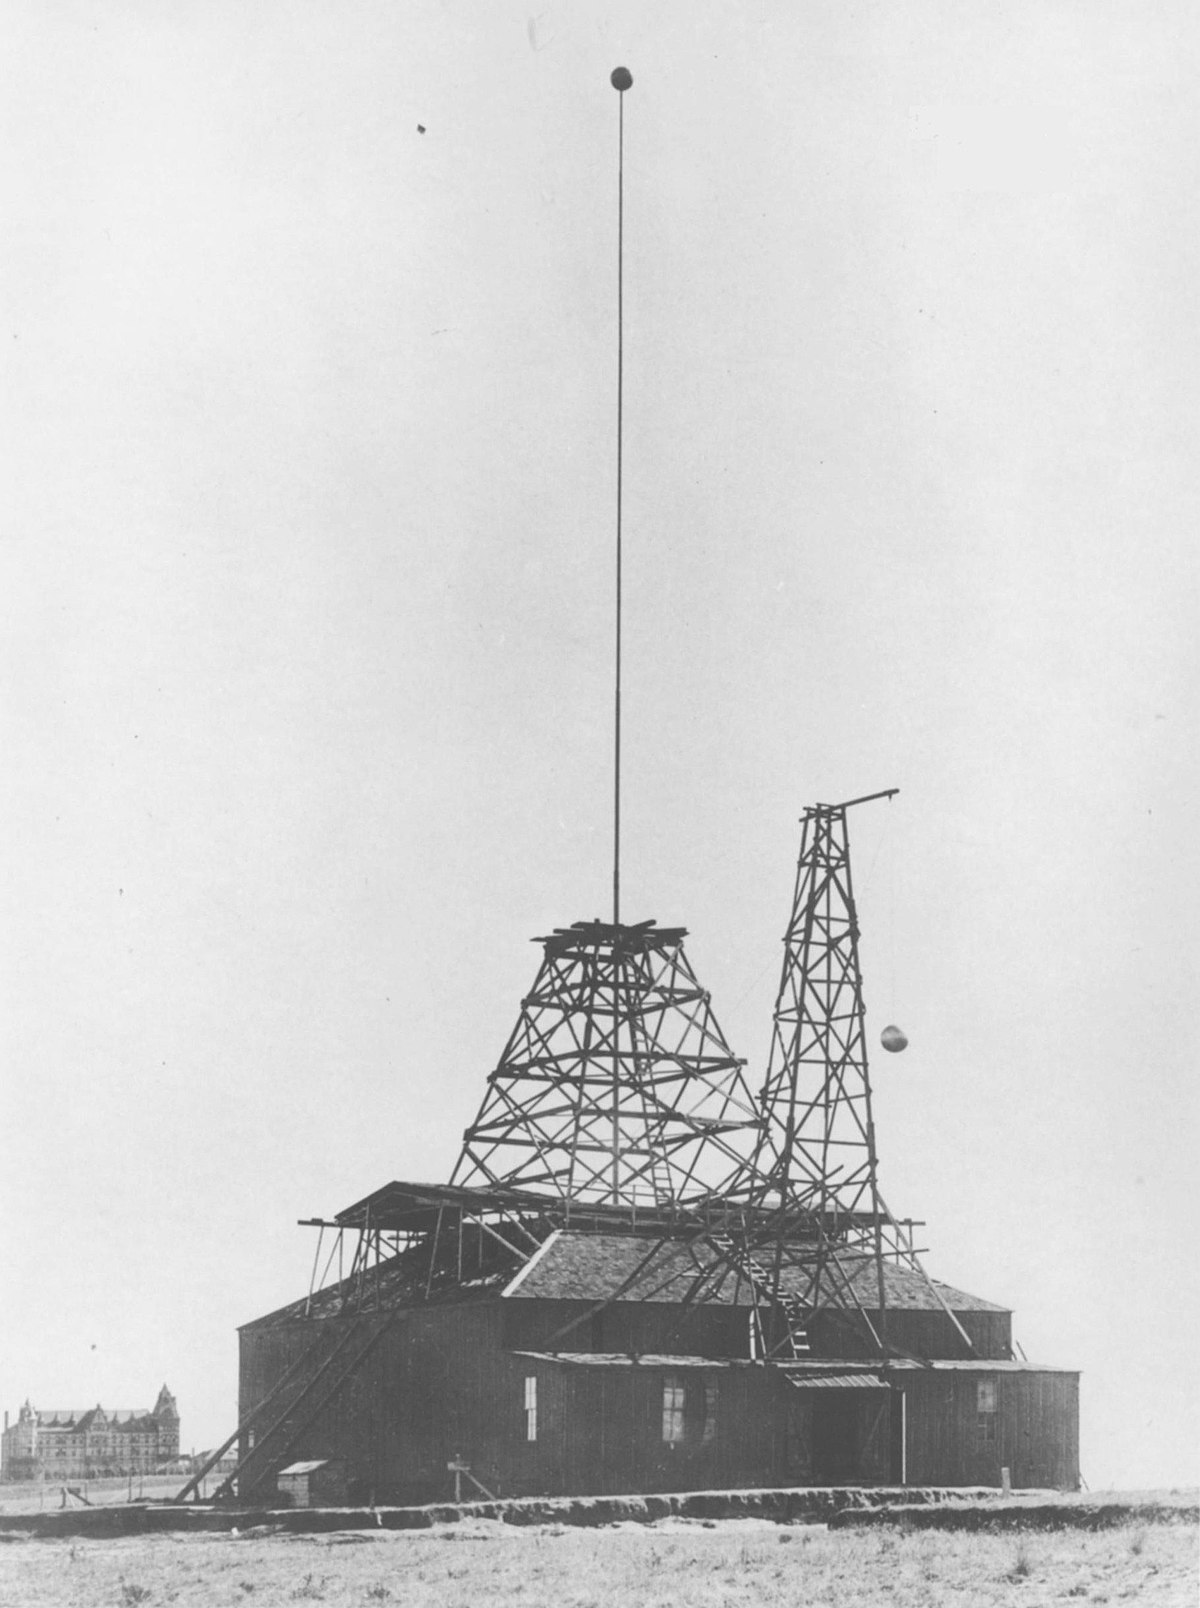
(405, 1281)
(621, 1267)
(82, 1417)
(905, 1289)
(137, 1424)
(533, 1262)
(575, 1266)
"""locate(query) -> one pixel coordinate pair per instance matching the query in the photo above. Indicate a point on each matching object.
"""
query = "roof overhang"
(413, 1208)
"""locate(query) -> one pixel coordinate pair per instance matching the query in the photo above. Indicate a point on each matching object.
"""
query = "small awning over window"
(837, 1381)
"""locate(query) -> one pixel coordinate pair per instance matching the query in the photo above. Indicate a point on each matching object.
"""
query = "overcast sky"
(309, 489)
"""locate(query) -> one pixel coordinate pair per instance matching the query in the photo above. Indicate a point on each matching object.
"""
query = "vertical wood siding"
(1036, 1434)
(928, 1334)
(441, 1383)
(627, 1326)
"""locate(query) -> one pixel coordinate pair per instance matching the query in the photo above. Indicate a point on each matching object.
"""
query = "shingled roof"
(905, 1289)
(624, 1267)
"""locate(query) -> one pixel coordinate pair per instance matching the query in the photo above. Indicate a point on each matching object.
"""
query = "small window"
(673, 1399)
(531, 1407)
(985, 1404)
(689, 1409)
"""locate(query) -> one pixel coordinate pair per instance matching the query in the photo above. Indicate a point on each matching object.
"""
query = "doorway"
(836, 1438)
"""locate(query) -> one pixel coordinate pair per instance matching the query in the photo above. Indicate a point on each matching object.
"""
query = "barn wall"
(1035, 1433)
(766, 1432)
(926, 1334)
(612, 1431)
(639, 1327)
(436, 1385)
(441, 1383)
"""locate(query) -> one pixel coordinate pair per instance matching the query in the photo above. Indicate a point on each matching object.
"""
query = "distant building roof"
(73, 1417)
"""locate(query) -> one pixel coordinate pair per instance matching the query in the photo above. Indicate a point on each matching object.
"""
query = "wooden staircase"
(767, 1293)
(271, 1429)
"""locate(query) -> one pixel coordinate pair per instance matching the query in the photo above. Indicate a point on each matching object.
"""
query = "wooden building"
(646, 1278)
(584, 1369)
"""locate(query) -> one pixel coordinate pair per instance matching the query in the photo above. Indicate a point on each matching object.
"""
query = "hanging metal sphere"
(892, 1038)
(621, 79)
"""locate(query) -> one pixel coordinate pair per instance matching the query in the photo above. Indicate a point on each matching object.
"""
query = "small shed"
(320, 1483)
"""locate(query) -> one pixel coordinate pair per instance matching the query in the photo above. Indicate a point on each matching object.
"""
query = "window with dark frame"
(672, 1421)
(689, 1409)
(531, 1424)
(985, 1412)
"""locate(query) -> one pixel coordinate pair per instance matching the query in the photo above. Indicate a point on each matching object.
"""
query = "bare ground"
(35, 1496)
(690, 1563)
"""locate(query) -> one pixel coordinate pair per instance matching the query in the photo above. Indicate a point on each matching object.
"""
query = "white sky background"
(307, 621)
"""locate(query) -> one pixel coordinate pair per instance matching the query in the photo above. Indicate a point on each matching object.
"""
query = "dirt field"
(676, 1563)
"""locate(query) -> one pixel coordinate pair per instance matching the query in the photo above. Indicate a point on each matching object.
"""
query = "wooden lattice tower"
(817, 1149)
(617, 1084)
(815, 1231)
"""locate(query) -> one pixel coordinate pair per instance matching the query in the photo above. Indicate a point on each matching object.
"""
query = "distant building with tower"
(89, 1442)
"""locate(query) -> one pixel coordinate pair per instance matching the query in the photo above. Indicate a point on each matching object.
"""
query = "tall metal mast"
(621, 80)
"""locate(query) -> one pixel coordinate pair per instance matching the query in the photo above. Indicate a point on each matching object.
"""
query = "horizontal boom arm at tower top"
(867, 798)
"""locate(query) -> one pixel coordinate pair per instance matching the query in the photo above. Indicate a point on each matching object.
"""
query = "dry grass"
(734, 1564)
